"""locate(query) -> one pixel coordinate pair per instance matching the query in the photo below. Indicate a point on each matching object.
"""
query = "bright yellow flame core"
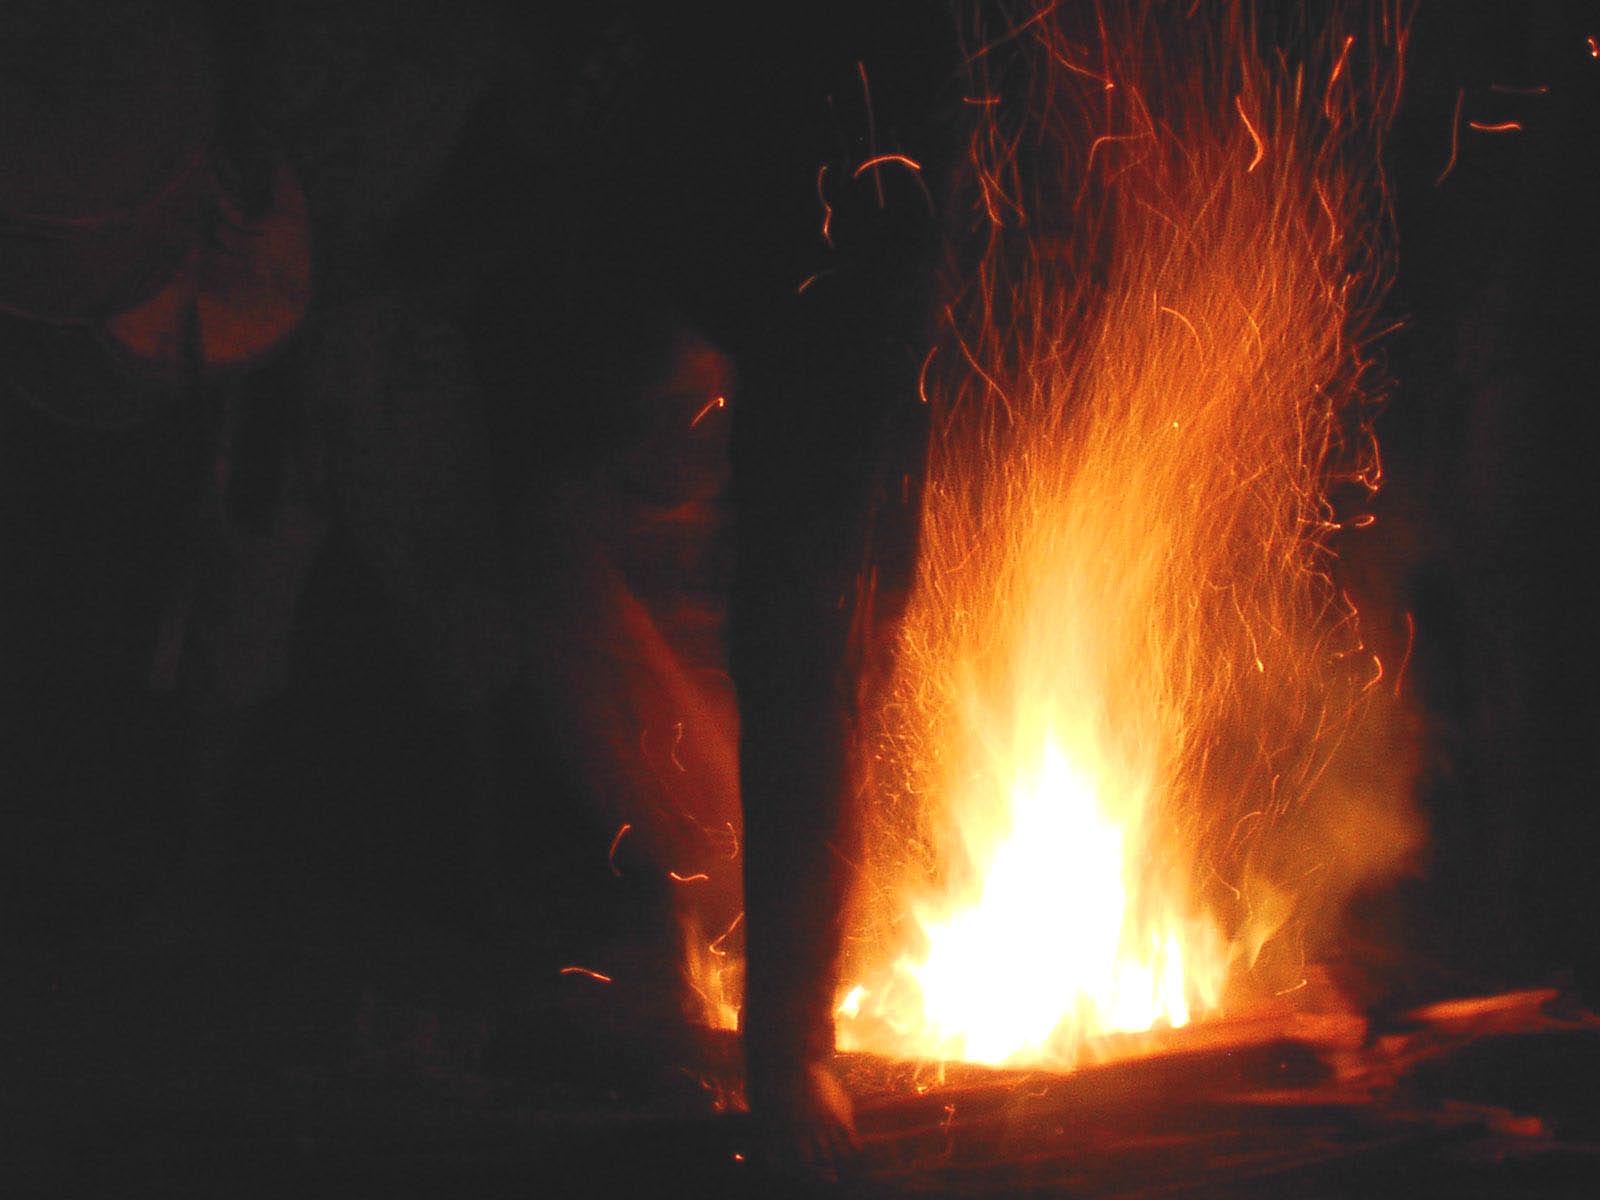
(996, 985)
(1125, 672)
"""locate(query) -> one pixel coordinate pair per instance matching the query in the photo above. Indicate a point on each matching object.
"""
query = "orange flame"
(1124, 746)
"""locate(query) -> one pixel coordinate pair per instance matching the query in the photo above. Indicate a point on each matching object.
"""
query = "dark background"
(690, 178)
(1489, 441)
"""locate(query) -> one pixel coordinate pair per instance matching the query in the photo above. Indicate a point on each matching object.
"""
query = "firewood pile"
(570, 1094)
(1487, 1097)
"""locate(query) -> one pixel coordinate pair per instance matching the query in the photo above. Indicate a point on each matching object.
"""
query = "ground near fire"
(1366, 961)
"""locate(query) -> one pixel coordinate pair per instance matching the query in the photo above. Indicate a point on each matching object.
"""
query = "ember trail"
(1124, 766)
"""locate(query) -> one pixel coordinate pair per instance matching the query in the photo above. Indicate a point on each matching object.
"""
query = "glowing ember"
(1132, 736)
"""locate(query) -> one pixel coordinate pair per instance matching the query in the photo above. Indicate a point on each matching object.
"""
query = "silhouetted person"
(200, 329)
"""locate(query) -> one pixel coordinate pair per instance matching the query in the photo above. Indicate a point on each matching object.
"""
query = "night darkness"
(609, 172)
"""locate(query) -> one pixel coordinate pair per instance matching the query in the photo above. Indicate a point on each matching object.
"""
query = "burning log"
(1327, 1114)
